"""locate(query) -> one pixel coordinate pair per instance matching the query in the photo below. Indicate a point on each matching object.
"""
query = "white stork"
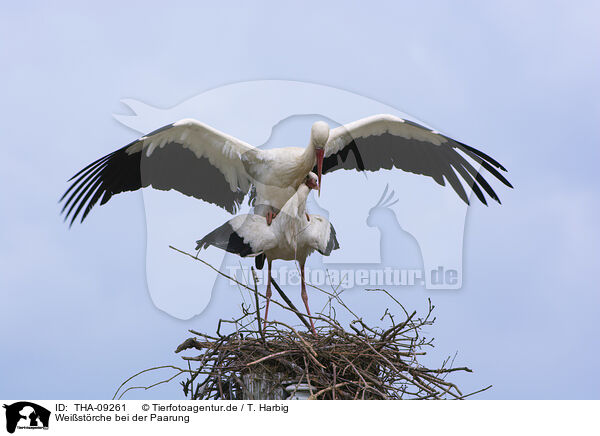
(202, 162)
(292, 235)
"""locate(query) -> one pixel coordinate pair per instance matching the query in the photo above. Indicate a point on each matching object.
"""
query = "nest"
(357, 362)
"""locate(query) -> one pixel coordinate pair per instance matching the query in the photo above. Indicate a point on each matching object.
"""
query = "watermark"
(347, 278)
(395, 228)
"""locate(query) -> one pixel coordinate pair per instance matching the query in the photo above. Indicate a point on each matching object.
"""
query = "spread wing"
(244, 235)
(320, 235)
(387, 142)
(187, 156)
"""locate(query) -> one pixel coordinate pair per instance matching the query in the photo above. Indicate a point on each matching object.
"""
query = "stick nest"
(357, 362)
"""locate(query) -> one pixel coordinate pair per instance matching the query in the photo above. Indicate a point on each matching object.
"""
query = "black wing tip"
(70, 225)
(495, 197)
(100, 180)
(481, 154)
(73, 217)
(226, 238)
(259, 261)
(333, 235)
(463, 199)
(489, 164)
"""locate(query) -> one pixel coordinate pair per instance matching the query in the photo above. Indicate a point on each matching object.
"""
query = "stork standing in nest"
(292, 235)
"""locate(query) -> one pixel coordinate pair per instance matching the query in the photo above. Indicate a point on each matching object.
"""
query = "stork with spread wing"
(293, 235)
(202, 162)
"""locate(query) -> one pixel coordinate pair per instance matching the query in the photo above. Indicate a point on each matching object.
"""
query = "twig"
(290, 304)
(354, 361)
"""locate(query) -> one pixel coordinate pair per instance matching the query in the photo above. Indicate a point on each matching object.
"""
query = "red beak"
(320, 153)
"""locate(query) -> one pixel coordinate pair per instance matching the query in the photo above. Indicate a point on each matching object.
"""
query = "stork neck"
(294, 209)
(302, 194)
(292, 219)
(309, 155)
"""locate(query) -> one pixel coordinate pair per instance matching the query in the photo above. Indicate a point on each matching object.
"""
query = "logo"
(26, 415)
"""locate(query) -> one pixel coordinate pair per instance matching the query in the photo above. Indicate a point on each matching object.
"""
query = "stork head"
(312, 181)
(319, 134)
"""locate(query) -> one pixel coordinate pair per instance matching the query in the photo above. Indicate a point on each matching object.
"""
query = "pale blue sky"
(519, 79)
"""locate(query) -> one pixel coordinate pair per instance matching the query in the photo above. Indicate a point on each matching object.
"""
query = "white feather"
(377, 125)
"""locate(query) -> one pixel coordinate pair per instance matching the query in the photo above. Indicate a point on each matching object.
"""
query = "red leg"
(268, 294)
(307, 216)
(305, 299)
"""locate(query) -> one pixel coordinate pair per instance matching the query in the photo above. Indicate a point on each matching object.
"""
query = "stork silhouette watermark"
(394, 228)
